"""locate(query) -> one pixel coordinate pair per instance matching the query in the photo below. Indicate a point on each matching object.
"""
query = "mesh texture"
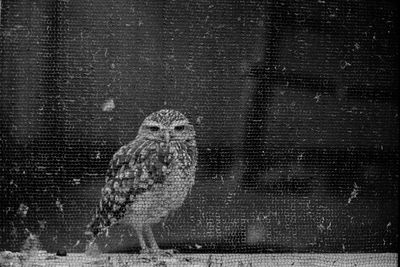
(294, 106)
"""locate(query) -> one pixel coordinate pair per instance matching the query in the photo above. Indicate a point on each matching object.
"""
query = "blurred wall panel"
(23, 32)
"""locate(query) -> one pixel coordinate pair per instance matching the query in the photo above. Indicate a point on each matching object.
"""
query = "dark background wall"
(294, 103)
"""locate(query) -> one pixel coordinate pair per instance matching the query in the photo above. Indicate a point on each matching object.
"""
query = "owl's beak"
(167, 136)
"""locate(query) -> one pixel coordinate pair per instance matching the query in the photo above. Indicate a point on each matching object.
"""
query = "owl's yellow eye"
(154, 128)
(179, 128)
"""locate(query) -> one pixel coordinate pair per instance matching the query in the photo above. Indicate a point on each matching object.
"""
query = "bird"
(149, 178)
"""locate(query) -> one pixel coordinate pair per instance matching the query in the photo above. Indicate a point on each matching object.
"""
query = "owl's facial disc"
(167, 126)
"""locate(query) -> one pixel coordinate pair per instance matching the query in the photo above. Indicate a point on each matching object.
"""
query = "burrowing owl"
(149, 177)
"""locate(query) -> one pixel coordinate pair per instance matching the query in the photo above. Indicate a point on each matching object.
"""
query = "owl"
(149, 177)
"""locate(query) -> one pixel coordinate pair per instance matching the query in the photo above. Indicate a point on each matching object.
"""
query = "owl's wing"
(134, 169)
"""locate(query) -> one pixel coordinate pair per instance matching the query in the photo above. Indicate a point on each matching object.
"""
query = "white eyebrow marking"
(181, 122)
(152, 123)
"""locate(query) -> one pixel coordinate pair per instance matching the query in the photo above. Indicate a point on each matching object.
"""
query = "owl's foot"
(154, 255)
(145, 251)
(163, 252)
(146, 255)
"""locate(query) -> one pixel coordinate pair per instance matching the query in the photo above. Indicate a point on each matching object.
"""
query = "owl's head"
(167, 125)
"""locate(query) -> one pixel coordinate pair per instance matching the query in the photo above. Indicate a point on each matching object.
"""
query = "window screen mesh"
(294, 105)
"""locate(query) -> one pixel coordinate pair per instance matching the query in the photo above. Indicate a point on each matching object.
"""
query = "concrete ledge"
(303, 259)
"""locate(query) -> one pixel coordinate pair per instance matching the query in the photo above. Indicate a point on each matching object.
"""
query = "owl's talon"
(145, 255)
(164, 252)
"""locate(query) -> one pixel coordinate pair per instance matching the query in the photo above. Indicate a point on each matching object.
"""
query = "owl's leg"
(142, 242)
(153, 243)
(150, 236)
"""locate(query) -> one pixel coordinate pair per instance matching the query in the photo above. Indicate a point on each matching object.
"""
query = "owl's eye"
(179, 128)
(154, 128)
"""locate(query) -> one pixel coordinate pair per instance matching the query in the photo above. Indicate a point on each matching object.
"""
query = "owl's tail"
(97, 225)
(93, 229)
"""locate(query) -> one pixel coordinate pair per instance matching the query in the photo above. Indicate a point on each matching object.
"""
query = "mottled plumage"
(149, 177)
